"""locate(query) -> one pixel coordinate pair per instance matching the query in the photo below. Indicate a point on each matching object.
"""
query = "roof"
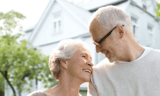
(31, 28)
(41, 20)
(95, 4)
(111, 3)
(81, 14)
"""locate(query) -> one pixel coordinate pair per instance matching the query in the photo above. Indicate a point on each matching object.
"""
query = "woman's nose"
(90, 63)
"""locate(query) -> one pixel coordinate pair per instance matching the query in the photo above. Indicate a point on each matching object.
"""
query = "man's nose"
(98, 49)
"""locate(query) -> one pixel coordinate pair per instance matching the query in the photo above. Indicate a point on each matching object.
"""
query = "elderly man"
(132, 70)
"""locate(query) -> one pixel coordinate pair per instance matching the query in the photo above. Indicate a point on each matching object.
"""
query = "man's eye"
(83, 56)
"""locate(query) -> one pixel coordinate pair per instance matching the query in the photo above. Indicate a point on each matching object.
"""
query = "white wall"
(151, 8)
(143, 20)
(70, 27)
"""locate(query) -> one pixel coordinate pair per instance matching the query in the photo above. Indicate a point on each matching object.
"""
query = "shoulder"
(99, 72)
(37, 93)
(103, 65)
(155, 52)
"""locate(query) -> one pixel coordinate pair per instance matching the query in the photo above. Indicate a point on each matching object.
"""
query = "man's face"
(110, 46)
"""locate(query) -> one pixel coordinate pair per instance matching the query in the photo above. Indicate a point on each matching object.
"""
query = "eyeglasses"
(100, 41)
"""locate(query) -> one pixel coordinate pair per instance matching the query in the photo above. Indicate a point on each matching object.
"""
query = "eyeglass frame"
(108, 34)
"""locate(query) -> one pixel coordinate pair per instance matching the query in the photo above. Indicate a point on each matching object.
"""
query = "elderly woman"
(71, 64)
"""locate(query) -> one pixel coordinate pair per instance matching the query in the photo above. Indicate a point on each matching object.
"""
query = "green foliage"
(46, 76)
(158, 10)
(1, 85)
(11, 20)
(20, 64)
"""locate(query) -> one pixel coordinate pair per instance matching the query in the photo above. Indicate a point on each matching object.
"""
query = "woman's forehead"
(85, 51)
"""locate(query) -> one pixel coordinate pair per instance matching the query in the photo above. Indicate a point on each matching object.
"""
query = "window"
(151, 35)
(134, 27)
(99, 57)
(144, 7)
(36, 81)
(57, 22)
(144, 4)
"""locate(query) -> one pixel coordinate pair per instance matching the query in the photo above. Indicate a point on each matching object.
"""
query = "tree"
(158, 10)
(1, 86)
(20, 63)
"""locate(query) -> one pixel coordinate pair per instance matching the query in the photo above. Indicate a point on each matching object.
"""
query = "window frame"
(151, 35)
(57, 20)
(135, 23)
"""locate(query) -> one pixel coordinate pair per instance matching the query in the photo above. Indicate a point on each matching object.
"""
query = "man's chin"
(113, 59)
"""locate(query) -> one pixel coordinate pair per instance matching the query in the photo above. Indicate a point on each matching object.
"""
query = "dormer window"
(134, 21)
(151, 35)
(57, 22)
(144, 5)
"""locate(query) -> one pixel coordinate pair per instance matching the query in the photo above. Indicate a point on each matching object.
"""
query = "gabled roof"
(30, 29)
(111, 3)
(95, 4)
(80, 14)
(42, 19)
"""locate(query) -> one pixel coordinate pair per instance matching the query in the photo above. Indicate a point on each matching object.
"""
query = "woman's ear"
(63, 63)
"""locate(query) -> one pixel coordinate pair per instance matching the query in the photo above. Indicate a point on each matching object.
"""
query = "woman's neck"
(67, 86)
(67, 90)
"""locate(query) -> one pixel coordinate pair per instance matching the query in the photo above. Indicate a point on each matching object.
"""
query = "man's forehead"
(94, 23)
(95, 31)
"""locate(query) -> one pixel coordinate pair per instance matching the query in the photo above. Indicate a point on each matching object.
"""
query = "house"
(62, 20)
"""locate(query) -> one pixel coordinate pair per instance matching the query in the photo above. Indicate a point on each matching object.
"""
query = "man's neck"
(132, 52)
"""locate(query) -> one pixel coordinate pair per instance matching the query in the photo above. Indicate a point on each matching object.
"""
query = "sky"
(32, 9)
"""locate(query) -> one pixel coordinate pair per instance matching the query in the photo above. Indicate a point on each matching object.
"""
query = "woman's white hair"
(64, 50)
(111, 16)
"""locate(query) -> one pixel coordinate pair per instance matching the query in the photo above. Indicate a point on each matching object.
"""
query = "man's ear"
(121, 31)
(63, 63)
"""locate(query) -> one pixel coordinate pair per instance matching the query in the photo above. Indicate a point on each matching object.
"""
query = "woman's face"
(80, 65)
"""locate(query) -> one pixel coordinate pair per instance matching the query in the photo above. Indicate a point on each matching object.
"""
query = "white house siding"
(143, 20)
(150, 4)
(89, 41)
(70, 27)
(8, 91)
(28, 34)
(47, 49)
(157, 36)
(95, 3)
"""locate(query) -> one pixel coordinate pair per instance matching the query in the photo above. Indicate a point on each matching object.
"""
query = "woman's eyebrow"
(90, 57)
